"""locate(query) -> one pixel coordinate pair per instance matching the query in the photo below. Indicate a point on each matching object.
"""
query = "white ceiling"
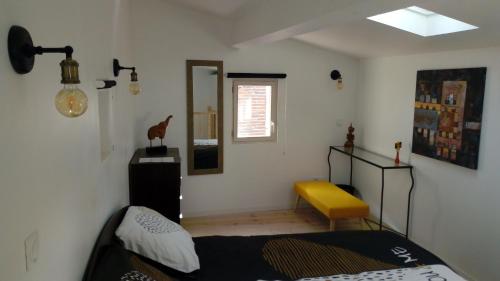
(344, 27)
(364, 38)
(223, 8)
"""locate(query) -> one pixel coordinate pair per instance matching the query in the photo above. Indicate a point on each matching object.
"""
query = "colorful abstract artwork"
(448, 114)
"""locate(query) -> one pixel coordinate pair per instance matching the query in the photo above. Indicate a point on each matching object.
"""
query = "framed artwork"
(448, 114)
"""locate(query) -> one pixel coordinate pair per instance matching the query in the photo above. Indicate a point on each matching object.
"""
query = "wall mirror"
(205, 117)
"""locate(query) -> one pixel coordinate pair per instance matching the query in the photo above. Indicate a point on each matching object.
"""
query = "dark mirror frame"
(220, 116)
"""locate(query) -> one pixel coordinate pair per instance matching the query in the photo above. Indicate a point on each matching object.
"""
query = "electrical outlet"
(31, 250)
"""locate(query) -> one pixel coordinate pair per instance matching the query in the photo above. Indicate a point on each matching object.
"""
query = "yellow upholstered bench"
(330, 200)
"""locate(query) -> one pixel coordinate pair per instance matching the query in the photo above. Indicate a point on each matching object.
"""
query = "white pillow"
(148, 233)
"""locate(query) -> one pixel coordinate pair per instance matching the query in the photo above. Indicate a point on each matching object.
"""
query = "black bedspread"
(237, 258)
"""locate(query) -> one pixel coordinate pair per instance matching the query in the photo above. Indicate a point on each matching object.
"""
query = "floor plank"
(265, 223)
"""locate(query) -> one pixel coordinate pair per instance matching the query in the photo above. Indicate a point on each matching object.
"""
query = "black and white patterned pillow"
(149, 234)
(155, 224)
(136, 276)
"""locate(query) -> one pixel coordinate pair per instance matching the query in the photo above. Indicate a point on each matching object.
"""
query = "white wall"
(256, 176)
(51, 177)
(455, 213)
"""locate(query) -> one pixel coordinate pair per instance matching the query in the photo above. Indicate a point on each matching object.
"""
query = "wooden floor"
(265, 223)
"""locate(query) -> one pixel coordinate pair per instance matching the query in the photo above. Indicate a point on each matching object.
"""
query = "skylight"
(422, 22)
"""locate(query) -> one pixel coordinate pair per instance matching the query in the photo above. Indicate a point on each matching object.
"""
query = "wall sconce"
(335, 75)
(105, 84)
(70, 101)
(134, 87)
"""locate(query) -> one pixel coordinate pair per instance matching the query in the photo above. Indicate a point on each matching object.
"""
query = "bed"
(288, 256)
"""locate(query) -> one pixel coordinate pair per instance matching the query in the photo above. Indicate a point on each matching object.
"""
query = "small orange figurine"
(350, 138)
(397, 146)
(158, 131)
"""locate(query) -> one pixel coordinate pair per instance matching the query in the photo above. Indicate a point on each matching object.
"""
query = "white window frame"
(274, 108)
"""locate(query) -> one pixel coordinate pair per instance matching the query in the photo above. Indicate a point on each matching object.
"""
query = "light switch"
(31, 250)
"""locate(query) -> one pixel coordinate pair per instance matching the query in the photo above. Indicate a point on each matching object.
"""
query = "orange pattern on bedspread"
(301, 259)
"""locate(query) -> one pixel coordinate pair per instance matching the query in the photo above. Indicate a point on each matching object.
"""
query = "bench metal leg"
(332, 225)
(297, 202)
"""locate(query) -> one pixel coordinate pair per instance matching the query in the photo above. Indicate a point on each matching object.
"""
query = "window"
(422, 22)
(254, 110)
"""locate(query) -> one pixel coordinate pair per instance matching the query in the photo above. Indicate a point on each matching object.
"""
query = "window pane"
(254, 111)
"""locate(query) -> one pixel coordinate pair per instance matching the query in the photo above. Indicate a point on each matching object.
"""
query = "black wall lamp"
(70, 101)
(134, 87)
(336, 76)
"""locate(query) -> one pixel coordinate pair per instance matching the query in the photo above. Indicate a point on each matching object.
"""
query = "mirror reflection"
(204, 117)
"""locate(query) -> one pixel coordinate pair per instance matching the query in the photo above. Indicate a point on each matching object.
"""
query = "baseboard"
(238, 211)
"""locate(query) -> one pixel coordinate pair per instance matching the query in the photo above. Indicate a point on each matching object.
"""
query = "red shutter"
(254, 111)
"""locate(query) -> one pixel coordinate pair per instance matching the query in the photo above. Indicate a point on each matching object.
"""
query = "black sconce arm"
(128, 68)
(30, 50)
(117, 67)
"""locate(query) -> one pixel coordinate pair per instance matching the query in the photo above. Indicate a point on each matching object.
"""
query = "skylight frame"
(422, 22)
(420, 11)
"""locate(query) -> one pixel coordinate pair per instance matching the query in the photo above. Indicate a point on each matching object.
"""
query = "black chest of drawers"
(156, 184)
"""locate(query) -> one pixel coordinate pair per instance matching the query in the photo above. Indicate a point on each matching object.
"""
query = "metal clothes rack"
(381, 162)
